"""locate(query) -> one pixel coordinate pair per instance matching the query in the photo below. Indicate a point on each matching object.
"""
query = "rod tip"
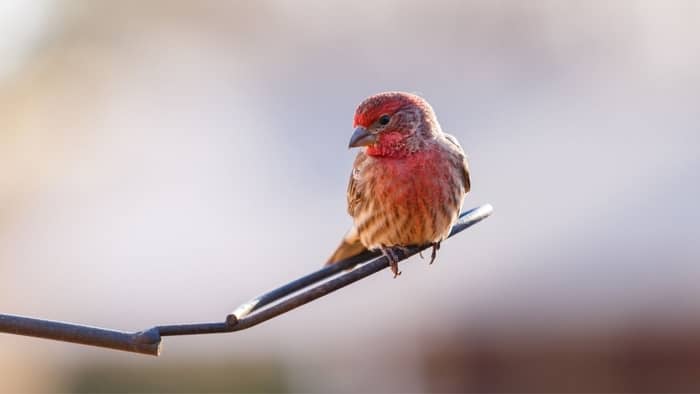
(231, 320)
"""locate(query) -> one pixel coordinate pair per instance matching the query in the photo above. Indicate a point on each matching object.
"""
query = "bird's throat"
(390, 145)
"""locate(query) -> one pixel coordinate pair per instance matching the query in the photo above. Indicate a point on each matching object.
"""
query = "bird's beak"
(361, 137)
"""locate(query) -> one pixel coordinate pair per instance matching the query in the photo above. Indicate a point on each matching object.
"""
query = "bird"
(407, 183)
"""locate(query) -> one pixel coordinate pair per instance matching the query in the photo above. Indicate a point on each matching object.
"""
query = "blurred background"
(164, 161)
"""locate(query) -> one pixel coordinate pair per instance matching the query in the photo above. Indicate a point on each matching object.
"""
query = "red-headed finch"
(407, 184)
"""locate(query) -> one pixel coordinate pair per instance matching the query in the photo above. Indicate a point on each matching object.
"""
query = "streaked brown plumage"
(408, 184)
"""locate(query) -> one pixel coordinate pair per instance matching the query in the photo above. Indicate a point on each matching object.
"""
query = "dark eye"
(384, 119)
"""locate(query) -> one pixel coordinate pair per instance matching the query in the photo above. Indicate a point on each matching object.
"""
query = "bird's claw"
(393, 258)
(433, 255)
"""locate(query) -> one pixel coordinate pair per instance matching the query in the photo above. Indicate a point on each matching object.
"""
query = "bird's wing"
(351, 245)
(457, 148)
(355, 187)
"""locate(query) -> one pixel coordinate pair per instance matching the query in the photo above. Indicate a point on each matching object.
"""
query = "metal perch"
(249, 314)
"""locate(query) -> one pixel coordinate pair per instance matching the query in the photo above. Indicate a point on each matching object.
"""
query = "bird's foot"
(433, 255)
(393, 257)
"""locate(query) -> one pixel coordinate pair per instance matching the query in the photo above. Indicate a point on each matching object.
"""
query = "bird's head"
(393, 124)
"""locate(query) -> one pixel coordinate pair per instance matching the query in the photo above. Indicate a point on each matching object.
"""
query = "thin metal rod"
(302, 283)
(467, 219)
(249, 314)
(146, 342)
(316, 292)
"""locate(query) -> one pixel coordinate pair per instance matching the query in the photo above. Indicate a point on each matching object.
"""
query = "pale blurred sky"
(163, 162)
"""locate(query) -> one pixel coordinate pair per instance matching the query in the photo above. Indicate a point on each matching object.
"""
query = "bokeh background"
(164, 161)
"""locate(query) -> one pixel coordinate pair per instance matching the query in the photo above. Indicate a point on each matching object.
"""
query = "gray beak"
(361, 137)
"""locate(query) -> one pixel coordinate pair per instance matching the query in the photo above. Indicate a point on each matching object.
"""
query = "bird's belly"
(409, 206)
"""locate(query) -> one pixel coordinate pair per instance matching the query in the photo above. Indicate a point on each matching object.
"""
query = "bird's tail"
(350, 246)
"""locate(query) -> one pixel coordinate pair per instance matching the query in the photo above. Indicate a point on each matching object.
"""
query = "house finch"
(407, 185)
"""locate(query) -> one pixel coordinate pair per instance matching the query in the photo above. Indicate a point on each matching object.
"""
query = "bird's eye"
(384, 119)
